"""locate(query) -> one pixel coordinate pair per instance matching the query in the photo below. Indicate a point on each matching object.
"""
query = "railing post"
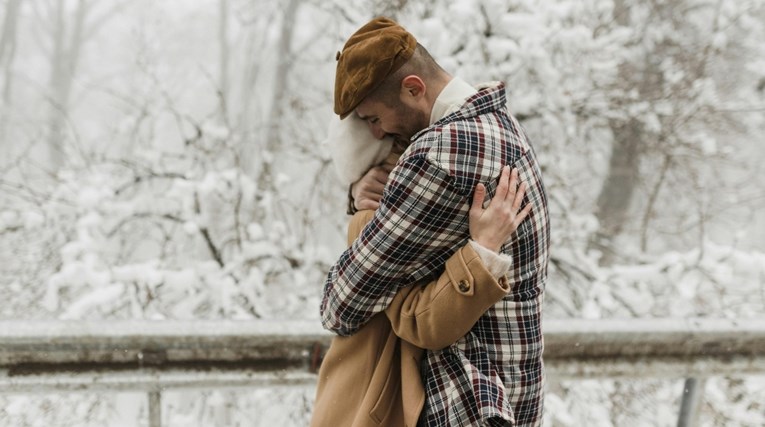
(155, 409)
(693, 390)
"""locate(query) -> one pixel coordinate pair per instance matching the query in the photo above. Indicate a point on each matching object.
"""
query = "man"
(457, 137)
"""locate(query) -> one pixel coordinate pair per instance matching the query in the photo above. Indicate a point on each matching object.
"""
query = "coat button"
(503, 282)
(463, 286)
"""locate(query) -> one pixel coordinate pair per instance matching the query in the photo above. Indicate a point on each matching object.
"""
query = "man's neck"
(451, 96)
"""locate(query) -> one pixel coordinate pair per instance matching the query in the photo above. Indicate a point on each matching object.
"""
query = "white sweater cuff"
(497, 264)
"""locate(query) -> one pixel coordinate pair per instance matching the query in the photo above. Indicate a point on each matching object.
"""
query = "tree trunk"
(615, 197)
(272, 136)
(284, 63)
(65, 55)
(7, 56)
(614, 200)
(223, 76)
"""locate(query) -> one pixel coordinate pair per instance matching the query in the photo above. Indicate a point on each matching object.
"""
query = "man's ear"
(412, 86)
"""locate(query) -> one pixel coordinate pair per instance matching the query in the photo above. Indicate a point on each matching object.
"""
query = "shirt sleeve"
(421, 222)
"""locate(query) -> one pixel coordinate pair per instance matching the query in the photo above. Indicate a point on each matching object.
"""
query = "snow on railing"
(154, 356)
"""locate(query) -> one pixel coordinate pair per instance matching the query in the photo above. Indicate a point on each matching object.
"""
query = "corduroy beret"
(371, 54)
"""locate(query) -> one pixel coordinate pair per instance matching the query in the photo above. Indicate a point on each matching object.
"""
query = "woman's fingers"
(495, 224)
(518, 199)
(514, 197)
(503, 187)
(479, 196)
(513, 185)
(368, 190)
(508, 195)
(522, 215)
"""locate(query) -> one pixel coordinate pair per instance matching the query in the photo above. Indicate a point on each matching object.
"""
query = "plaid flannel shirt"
(493, 375)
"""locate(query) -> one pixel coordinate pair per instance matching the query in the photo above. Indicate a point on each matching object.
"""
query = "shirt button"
(463, 286)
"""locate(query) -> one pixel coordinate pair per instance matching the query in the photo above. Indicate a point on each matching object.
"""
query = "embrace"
(437, 301)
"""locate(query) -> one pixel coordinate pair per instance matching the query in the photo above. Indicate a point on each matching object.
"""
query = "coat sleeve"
(435, 314)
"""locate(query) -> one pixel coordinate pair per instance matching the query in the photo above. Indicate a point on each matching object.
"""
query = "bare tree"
(7, 56)
(285, 60)
(614, 200)
(223, 53)
(67, 37)
(70, 25)
(661, 109)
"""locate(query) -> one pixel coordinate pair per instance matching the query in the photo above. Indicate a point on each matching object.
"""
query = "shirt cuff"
(497, 264)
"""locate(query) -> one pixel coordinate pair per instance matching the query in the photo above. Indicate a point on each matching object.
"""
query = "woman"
(372, 378)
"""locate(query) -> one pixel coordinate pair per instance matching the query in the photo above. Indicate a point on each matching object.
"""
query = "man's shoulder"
(464, 149)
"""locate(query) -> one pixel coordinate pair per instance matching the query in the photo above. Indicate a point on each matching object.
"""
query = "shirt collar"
(451, 98)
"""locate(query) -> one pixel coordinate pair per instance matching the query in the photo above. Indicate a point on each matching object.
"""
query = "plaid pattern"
(494, 375)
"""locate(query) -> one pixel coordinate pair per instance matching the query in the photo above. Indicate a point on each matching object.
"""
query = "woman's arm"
(435, 315)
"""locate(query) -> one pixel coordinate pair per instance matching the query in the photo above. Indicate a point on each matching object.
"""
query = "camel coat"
(372, 378)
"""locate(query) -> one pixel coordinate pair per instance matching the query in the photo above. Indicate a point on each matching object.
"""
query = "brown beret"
(374, 52)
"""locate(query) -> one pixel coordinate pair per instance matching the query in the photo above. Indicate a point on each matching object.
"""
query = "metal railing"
(155, 356)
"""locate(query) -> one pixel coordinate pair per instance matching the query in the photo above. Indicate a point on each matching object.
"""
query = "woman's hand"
(493, 226)
(368, 190)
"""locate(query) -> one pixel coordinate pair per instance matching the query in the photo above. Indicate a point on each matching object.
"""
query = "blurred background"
(166, 160)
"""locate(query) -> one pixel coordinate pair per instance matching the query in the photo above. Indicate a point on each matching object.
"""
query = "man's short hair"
(421, 64)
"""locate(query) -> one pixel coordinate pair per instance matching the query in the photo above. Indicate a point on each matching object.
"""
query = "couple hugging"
(437, 301)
